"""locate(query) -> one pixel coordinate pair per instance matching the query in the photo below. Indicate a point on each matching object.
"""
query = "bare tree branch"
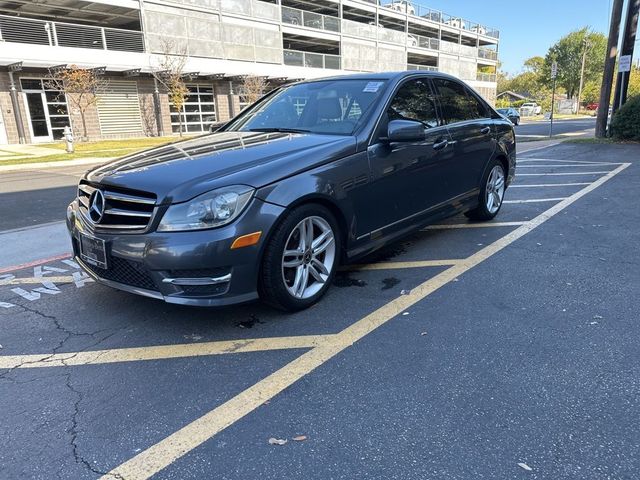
(168, 71)
(81, 87)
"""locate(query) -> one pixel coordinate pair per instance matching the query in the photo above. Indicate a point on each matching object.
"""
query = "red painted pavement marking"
(35, 262)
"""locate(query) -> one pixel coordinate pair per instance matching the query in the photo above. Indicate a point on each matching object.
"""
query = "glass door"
(38, 119)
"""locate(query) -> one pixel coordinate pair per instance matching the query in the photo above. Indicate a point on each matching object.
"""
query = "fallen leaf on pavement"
(525, 466)
(277, 441)
(299, 438)
(423, 333)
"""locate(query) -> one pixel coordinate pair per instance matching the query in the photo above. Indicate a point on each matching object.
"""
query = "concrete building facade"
(222, 42)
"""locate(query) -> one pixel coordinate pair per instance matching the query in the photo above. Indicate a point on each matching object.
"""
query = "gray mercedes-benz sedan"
(314, 174)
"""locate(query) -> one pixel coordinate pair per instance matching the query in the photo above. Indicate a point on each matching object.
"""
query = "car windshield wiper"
(276, 129)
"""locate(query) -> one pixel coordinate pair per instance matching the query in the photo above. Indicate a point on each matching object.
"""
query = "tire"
(487, 209)
(282, 274)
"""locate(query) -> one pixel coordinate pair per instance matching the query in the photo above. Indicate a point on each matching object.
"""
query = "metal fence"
(59, 34)
(308, 59)
(427, 68)
(303, 18)
(486, 77)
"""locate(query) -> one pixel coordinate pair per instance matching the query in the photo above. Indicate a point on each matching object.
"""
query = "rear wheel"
(300, 259)
(491, 193)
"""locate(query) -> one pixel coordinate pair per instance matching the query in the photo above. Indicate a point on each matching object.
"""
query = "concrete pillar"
(16, 109)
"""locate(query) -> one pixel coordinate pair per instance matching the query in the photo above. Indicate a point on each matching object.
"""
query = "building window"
(48, 112)
(198, 112)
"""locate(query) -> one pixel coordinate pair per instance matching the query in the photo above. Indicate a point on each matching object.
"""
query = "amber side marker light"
(246, 240)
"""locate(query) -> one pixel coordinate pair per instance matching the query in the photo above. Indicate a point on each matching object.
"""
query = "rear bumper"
(187, 268)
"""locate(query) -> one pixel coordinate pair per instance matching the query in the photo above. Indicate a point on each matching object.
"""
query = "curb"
(61, 163)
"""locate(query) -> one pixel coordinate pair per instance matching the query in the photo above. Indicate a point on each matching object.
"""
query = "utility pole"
(609, 65)
(585, 44)
(628, 42)
(554, 74)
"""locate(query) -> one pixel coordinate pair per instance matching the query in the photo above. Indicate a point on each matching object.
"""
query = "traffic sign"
(554, 69)
(624, 64)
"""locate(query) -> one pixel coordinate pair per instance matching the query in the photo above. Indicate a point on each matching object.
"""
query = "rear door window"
(458, 104)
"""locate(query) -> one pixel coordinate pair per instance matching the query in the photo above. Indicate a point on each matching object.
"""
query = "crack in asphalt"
(68, 334)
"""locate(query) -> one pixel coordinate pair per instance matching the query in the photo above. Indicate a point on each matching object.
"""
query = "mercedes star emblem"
(96, 206)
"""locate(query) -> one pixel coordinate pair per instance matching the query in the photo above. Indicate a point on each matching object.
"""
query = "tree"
(169, 72)
(567, 52)
(634, 82)
(252, 89)
(82, 87)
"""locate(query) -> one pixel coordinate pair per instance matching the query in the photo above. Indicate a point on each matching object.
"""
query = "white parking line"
(452, 226)
(550, 185)
(536, 200)
(555, 160)
(560, 165)
(563, 173)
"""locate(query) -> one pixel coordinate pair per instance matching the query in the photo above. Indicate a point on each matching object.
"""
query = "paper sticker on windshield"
(372, 87)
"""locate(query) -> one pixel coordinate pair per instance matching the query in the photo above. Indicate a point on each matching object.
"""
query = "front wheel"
(301, 259)
(491, 193)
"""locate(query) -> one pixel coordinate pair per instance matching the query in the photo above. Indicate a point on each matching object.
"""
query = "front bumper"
(188, 268)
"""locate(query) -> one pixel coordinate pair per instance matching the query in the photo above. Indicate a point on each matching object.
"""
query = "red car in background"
(592, 106)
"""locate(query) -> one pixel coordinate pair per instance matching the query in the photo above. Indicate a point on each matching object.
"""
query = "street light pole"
(609, 65)
(585, 43)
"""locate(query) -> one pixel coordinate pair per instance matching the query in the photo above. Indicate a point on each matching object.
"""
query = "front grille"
(123, 209)
(126, 272)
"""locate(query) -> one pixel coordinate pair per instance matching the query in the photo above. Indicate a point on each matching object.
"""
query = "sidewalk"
(35, 165)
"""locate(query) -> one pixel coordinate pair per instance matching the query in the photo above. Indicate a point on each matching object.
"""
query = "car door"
(472, 140)
(406, 176)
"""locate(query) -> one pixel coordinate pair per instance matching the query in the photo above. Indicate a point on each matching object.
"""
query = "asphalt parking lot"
(503, 350)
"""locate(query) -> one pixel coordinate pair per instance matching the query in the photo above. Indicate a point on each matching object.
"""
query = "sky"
(529, 28)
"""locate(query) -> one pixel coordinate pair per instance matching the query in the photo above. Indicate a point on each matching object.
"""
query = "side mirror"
(405, 131)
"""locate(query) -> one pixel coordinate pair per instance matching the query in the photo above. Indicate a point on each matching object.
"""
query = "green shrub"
(625, 124)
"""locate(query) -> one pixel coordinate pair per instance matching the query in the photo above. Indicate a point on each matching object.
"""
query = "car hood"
(182, 170)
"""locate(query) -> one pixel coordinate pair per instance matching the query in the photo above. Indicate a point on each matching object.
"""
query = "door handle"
(440, 145)
(485, 130)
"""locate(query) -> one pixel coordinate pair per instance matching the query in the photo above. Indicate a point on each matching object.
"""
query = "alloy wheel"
(309, 257)
(495, 189)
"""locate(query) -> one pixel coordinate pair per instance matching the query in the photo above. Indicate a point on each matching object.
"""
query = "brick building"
(223, 41)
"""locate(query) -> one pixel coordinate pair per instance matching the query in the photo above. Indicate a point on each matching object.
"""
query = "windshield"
(503, 110)
(325, 107)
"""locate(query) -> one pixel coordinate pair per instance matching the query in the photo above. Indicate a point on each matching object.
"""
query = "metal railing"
(427, 68)
(299, 58)
(59, 34)
(419, 41)
(294, 16)
(418, 10)
(487, 53)
(486, 77)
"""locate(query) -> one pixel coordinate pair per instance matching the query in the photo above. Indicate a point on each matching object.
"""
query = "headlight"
(211, 209)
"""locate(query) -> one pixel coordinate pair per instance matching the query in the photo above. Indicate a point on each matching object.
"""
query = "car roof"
(397, 76)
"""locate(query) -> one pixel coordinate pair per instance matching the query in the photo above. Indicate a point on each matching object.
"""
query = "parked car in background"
(592, 106)
(529, 109)
(511, 114)
(314, 174)
(401, 6)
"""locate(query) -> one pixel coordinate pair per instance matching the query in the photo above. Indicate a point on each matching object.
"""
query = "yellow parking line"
(551, 185)
(159, 352)
(157, 457)
(536, 200)
(472, 225)
(399, 265)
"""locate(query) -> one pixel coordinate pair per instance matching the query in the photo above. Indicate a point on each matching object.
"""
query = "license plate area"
(93, 251)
